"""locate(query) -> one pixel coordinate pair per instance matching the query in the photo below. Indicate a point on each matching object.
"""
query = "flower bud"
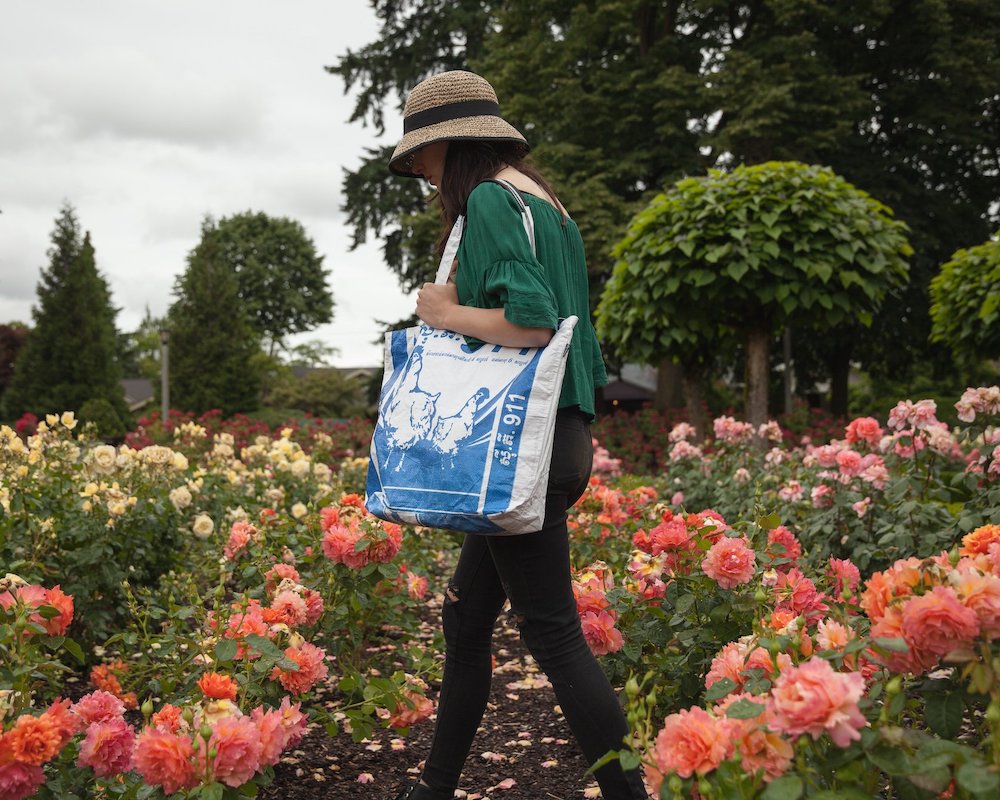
(632, 687)
(760, 595)
(704, 787)
(675, 784)
(894, 685)
(954, 556)
(187, 715)
(206, 731)
(146, 708)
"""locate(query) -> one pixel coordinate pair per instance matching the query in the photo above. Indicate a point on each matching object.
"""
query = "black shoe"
(417, 791)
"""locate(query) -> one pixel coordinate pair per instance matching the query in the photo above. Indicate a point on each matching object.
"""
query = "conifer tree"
(70, 353)
(215, 356)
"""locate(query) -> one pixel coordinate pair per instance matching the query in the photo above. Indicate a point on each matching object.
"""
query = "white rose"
(299, 510)
(180, 462)
(300, 468)
(203, 526)
(104, 458)
(180, 497)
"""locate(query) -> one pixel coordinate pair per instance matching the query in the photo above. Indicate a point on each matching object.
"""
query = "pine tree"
(214, 352)
(70, 353)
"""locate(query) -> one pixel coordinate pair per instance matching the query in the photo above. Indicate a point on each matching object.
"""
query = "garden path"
(523, 750)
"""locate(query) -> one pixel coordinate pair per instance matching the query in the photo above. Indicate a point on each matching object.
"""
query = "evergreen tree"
(214, 350)
(70, 354)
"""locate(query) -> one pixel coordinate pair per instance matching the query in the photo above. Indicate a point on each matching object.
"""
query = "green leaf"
(745, 709)
(894, 645)
(74, 650)
(890, 761)
(944, 712)
(225, 650)
(629, 760)
(789, 787)
(976, 778)
(719, 689)
(211, 791)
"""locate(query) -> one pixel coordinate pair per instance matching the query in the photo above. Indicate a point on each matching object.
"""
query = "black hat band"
(467, 108)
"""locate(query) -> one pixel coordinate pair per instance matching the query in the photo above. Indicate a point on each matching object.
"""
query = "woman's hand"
(435, 302)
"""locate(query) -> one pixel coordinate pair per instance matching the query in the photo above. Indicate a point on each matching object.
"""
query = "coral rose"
(937, 623)
(978, 541)
(691, 741)
(65, 722)
(18, 780)
(413, 708)
(217, 686)
(864, 429)
(730, 562)
(165, 759)
(33, 740)
(814, 699)
(981, 593)
(312, 668)
(237, 746)
(600, 632)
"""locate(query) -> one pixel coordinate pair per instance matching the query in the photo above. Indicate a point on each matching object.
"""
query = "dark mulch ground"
(523, 743)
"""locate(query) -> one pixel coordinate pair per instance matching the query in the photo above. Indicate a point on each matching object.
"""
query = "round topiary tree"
(743, 254)
(965, 303)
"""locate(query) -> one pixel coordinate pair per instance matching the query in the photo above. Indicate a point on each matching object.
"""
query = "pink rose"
(237, 746)
(730, 562)
(107, 748)
(814, 699)
(600, 632)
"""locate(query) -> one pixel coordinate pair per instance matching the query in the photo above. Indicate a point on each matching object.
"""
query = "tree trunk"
(694, 398)
(758, 344)
(840, 370)
(669, 385)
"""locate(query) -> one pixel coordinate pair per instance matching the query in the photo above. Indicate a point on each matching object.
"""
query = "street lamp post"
(164, 375)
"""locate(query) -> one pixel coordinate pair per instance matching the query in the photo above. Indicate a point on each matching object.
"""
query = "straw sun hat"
(451, 105)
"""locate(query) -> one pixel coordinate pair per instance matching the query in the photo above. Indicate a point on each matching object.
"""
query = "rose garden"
(789, 619)
(795, 599)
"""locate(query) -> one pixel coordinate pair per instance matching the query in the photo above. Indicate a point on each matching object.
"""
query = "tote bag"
(463, 438)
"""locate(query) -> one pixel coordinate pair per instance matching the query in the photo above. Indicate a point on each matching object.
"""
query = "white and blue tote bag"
(464, 437)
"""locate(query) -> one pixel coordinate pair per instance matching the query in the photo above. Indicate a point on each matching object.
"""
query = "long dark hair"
(468, 163)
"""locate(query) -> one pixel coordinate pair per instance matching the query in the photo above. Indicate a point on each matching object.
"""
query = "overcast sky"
(146, 116)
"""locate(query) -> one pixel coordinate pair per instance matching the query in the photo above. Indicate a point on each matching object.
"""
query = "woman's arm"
(437, 305)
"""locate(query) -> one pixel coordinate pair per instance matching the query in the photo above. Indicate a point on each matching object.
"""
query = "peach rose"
(600, 632)
(33, 740)
(981, 593)
(165, 759)
(237, 746)
(730, 562)
(312, 668)
(978, 541)
(814, 699)
(216, 686)
(107, 748)
(937, 623)
(864, 429)
(691, 741)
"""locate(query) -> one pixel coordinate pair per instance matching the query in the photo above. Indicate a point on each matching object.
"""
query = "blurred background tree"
(70, 354)
(621, 99)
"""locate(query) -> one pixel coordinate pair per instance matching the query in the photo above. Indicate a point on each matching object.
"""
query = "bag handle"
(455, 237)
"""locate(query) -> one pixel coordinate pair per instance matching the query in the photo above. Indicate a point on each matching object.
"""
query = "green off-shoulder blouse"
(496, 269)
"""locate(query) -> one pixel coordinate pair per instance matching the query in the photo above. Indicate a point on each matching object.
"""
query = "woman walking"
(505, 292)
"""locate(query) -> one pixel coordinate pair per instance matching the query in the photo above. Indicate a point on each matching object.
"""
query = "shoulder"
(491, 197)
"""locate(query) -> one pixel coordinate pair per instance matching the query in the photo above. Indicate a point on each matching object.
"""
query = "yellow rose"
(203, 526)
(299, 510)
(68, 420)
(51, 420)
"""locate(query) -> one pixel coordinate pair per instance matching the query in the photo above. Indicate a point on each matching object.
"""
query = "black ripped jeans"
(533, 571)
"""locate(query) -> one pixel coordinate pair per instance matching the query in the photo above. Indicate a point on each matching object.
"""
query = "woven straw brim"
(486, 127)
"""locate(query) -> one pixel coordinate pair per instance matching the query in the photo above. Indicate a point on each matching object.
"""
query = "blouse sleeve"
(497, 255)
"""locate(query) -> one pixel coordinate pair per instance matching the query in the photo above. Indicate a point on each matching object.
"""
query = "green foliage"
(70, 353)
(12, 339)
(745, 254)
(105, 419)
(323, 392)
(280, 278)
(139, 350)
(215, 359)
(965, 304)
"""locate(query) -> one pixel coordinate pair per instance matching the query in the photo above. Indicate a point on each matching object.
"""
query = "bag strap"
(455, 237)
